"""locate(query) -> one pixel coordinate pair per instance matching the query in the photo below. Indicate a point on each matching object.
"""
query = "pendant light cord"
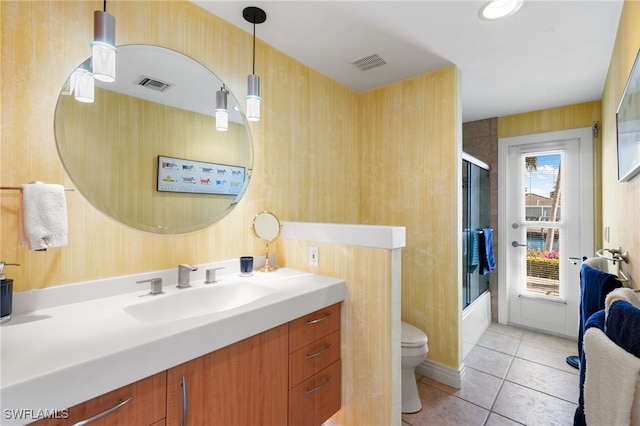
(254, 45)
(105, 5)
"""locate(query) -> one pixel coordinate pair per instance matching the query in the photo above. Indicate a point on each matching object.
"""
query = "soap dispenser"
(6, 294)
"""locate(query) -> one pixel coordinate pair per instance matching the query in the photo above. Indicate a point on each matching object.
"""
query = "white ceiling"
(550, 53)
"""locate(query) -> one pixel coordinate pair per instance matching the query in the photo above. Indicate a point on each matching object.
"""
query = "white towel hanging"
(43, 216)
(611, 381)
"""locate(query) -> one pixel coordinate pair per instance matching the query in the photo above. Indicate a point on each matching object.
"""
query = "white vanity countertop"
(57, 357)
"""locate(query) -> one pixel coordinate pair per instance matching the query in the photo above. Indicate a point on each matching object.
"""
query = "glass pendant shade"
(222, 120)
(253, 98)
(104, 61)
(222, 115)
(104, 46)
(84, 85)
(67, 88)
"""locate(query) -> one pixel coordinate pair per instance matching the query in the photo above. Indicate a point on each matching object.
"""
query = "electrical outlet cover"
(313, 256)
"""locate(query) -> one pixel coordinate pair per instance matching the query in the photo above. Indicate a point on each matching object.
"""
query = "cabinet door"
(244, 384)
(313, 401)
(147, 406)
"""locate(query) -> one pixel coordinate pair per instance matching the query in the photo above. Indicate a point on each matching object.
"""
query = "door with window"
(546, 218)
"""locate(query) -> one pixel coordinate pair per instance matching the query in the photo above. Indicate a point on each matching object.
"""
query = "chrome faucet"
(156, 286)
(183, 275)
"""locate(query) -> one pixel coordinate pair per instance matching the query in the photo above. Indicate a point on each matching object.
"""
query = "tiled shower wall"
(480, 139)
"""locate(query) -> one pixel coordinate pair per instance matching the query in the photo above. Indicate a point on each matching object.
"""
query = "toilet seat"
(411, 336)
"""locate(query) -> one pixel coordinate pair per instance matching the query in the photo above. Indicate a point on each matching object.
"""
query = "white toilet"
(414, 350)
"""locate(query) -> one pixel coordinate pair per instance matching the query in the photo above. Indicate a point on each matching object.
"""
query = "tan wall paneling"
(411, 156)
(549, 120)
(620, 201)
(367, 376)
(308, 160)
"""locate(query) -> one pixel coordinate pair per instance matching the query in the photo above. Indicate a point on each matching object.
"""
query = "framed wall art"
(198, 177)
(628, 126)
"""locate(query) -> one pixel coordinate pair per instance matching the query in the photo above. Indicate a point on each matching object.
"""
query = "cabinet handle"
(106, 412)
(185, 404)
(320, 352)
(320, 386)
(315, 321)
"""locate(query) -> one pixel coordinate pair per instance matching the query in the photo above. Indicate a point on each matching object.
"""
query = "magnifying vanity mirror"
(146, 151)
(266, 227)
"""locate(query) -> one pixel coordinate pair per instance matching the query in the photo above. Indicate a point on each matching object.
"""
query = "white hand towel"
(610, 382)
(43, 216)
(599, 263)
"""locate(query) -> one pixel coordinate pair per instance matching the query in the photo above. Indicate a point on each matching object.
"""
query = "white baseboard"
(476, 319)
(441, 373)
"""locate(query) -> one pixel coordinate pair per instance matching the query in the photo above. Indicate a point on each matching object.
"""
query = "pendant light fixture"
(83, 85)
(222, 115)
(104, 45)
(255, 16)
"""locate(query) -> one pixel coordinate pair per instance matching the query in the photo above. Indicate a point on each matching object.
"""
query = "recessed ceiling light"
(496, 9)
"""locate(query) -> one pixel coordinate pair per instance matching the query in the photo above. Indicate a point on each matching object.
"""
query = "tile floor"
(512, 377)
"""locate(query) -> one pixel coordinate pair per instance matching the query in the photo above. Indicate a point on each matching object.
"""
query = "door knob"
(517, 244)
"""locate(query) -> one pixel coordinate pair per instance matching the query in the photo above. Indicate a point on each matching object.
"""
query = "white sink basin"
(197, 301)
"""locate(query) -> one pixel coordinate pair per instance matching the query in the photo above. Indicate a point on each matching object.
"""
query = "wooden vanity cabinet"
(241, 384)
(147, 406)
(315, 376)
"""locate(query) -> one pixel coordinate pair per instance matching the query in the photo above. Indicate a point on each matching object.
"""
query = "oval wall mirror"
(146, 151)
(266, 227)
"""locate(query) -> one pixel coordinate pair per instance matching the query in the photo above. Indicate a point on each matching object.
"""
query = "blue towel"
(474, 250)
(623, 323)
(594, 287)
(487, 262)
(595, 320)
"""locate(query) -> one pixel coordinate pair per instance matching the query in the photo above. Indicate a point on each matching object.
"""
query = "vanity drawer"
(311, 327)
(147, 405)
(313, 401)
(307, 361)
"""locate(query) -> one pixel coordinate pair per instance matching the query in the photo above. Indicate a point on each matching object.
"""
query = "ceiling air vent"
(369, 62)
(153, 84)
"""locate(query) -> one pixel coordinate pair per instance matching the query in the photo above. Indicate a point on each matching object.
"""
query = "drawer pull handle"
(320, 352)
(106, 412)
(320, 386)
(315, 321)
(185, 403)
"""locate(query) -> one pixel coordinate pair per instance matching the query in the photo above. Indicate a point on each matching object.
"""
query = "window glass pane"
(543, 264)
(542, 190)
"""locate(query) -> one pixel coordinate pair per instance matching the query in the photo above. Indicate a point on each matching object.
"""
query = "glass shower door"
(475, 217)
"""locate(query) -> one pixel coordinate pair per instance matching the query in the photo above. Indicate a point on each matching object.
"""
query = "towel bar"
(616, 255)
(475, 231)
(17, 188)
